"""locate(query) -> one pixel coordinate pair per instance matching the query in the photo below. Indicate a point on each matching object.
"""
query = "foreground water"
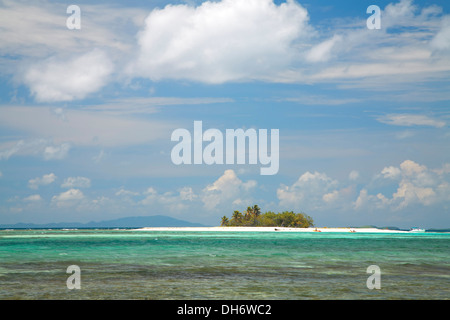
(125, 264)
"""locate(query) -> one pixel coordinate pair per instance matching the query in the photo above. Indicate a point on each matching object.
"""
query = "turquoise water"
(125, 264)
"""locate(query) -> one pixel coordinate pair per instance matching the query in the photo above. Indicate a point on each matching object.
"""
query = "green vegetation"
(253, 217)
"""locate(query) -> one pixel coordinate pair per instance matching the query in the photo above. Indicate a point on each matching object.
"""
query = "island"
(287, 221)
(253, 217)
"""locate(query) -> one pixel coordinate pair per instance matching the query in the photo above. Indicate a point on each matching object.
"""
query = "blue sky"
(86, 115)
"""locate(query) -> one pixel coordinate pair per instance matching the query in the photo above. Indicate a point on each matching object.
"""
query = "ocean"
(129, 264)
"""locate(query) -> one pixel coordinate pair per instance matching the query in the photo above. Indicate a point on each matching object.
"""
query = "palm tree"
(236, 217)
(224, 221)
(249, 212)
(256, 211)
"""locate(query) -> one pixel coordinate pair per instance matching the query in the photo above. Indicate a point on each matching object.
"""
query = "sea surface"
(129, 264)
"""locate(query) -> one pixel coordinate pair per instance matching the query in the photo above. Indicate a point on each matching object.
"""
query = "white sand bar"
(271, 229)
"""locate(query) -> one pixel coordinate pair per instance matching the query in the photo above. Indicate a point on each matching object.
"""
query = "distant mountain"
(128, 222)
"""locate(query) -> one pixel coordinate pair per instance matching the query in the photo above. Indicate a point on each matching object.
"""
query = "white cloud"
(80, 127)
(39, 146)
(171, 201)
(411, 120)
(441, 40)
(66, 80)
(391, 172)
(322, 51)
(444, 170)
(400, 13)
(216, 42)
(76, 182)
(403, 50)
(417, 185)
(56, 152)
(330, 197)
(57, 63)
(311, 191)
(229, 40)
(186, 193)
(103, 26)
(32, 198)
(410, 168)
(148, 105)
(46, 179)
(68, 198)
(353, 175)
(126, 193)
(408, 193)
(365, 201)
(225, 190)
(14, 147)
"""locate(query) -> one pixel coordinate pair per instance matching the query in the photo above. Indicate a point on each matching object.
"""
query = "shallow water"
(125, 264)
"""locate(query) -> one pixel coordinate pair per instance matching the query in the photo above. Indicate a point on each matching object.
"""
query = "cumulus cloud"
(66, 80)
(217, 42)
(176, 202)
(229, 40)
(126, 193)
(76, 182)
(186, 193)
(400, 13)
(310, 191)
(365, 200)
(391, 172)
(393, 189)
(68, 198)
(56, 152)
(225, 190)
(60, 64)
(417, 185)
(46, 179)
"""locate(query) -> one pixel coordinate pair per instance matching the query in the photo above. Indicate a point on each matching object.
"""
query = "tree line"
(253, 217)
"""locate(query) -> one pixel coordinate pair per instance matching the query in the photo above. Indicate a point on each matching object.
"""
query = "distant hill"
(128, 222)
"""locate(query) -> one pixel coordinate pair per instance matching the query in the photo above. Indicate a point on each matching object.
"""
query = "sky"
(89, 100)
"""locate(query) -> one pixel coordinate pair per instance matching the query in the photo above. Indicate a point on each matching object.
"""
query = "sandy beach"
(271, 229)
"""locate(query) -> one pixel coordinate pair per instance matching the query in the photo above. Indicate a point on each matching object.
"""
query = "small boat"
(415, 229)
